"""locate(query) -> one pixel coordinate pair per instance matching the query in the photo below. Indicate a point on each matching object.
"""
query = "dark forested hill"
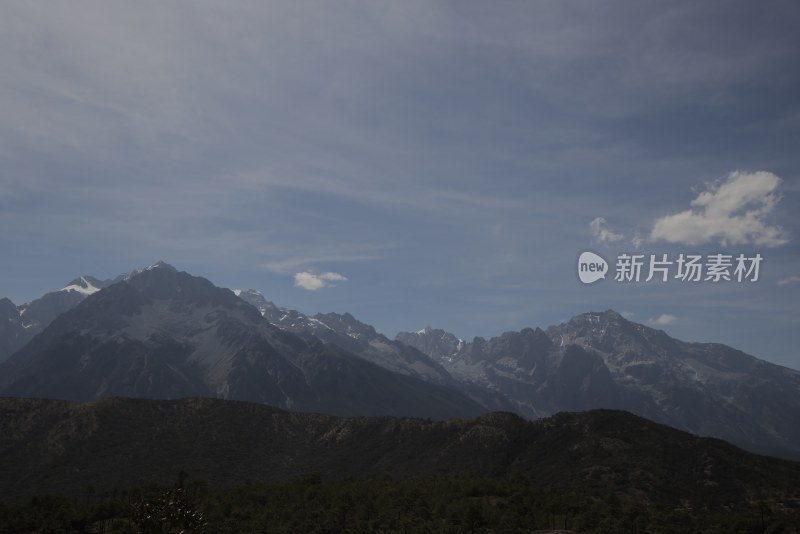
(59, 446)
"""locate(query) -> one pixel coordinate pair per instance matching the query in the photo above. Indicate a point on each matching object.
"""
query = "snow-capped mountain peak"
(156, 265)
(160, 265)
(82, 285)
(603, 359)
(268, 310)
(435, 342)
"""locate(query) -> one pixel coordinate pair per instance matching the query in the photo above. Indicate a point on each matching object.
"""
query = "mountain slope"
(21, 323)
(707, 388)
(13, 335)
(60, 446)
(158, 333)
(434, 342)
(602, 360)
(166, 334)
(31, 318)
(347, 332)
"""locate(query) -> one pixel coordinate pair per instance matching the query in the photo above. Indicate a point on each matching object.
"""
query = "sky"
(414, 163)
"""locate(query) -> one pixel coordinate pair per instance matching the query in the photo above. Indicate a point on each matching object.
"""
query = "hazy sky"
(434, 163)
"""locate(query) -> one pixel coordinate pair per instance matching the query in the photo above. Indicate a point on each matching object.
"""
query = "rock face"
(347, 332)
(432, 341)
(600, 359)
(13, 334)
(21, 324)
(166, 334)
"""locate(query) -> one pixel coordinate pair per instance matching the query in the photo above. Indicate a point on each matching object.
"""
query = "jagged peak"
(534, 332)
(598, 321)
(159, 265)
(602, 319)
(86, 285)
(345, 317)
(254, 292)
(607, 315)
(429, 331)
(7, 307)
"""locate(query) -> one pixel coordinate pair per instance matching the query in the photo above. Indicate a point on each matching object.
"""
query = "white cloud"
(732, 212)
(628, 315)
(663, 319)
(603, 234)
(312, 282)
(789, 280)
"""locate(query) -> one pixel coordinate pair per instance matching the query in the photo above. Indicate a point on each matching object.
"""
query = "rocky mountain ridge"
(166, 334)
(602, 359)
(159, 333)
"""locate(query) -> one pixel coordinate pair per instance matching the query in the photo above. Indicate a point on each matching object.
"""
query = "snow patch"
(87, 289)
(317, 321)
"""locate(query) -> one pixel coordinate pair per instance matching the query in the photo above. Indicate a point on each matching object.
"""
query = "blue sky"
(414, 163)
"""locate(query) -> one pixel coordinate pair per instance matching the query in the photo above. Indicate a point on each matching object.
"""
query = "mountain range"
(601, 359)
(167, 334)
(19, 324)
(163, 334)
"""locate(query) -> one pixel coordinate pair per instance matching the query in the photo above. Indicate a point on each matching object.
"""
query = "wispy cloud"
(436, 152)
(288, 258)
(312, 282)
(602, 233)
(733, 212)
(789, 280)
(663, 319)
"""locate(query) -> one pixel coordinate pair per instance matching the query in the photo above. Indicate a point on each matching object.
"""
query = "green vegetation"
(446, 504)
(110, 467)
